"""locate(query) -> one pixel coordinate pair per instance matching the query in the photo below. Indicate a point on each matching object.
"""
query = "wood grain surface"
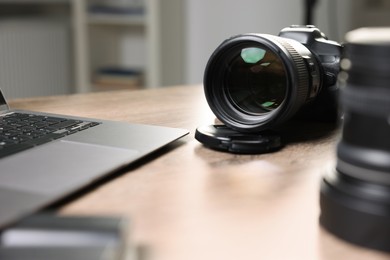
(189, 202)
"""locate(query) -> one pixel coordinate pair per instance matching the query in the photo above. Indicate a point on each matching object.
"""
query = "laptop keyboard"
(19, 131)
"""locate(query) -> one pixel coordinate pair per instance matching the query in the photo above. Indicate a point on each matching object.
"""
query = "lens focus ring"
(300, 89)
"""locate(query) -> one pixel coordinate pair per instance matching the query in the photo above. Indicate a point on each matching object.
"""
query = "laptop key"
(63, 124)
(44, 139)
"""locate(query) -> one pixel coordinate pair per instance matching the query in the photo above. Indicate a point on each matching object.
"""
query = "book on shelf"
(110, 78)
(124, 7)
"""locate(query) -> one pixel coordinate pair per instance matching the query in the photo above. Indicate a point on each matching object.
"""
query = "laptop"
(46, 157)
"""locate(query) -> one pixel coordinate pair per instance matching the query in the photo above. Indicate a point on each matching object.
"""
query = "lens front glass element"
(255, 79)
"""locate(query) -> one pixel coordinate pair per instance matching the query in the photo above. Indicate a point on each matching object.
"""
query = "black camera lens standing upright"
(355, 197)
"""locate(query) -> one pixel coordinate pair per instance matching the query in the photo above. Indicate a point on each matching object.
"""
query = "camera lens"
(355, 197)
(257, 81)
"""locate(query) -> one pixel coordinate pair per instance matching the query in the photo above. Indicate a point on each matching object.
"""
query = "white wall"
(209, 22)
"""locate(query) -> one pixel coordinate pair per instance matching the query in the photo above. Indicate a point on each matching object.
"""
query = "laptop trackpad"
(61, 166)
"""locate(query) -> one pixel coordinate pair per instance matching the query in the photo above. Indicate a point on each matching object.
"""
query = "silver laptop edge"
(37, 177)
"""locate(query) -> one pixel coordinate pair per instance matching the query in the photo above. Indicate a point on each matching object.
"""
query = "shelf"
(116, 19)
(148, 34)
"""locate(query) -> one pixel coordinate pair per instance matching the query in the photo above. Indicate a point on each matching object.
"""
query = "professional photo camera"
(255, 83)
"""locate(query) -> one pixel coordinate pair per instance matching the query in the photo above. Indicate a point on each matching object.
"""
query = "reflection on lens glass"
(252, 55)
(256, 80)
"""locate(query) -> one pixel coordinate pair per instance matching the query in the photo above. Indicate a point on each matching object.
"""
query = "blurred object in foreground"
(50, 237)
(355, 197)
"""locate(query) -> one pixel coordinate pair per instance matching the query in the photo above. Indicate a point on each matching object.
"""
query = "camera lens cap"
(223, 138)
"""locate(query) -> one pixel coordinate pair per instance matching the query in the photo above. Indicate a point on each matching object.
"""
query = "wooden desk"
(188, 202)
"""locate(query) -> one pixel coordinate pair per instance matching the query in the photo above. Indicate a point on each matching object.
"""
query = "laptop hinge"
(3, 103)
(4, 109)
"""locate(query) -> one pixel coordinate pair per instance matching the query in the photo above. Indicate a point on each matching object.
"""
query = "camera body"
(255, 82)
(326, 51)
(322, 105)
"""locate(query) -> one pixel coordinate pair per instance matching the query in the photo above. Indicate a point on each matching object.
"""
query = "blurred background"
(51, 47)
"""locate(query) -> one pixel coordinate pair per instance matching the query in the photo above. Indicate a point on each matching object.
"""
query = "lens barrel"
(254, 82)
(355, 197)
